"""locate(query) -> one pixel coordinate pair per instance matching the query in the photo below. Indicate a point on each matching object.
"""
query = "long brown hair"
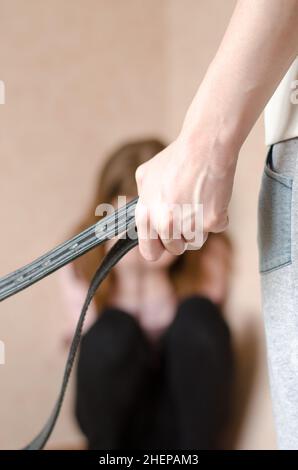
(117, 177)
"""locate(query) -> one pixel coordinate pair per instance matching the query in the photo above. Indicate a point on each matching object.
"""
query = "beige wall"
(80, 77)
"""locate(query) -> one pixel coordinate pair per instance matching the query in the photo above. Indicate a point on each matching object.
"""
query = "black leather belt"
(122, 222)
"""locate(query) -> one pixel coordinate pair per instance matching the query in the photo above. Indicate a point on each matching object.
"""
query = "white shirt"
(281, 112)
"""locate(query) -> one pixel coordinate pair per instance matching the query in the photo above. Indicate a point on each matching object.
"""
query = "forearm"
(259, 45)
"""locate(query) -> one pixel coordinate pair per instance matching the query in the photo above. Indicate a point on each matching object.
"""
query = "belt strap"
(121, 220)
(63, 254)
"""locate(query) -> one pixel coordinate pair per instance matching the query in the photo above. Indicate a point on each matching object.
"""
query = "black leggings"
(173, 396)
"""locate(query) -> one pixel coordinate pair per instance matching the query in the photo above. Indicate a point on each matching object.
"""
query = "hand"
(187, 173)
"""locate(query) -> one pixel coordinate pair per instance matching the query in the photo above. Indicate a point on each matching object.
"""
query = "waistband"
(284, 157)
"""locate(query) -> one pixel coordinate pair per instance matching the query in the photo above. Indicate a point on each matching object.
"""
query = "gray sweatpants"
(278, 260)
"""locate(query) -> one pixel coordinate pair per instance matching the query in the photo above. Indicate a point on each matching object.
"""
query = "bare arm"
(259, 45)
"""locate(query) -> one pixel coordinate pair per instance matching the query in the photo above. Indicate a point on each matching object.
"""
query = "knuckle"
(166, 225)
(177, 248)
(141, 214)
(215, 223)
(139, 174)
(210, 223)
(147, 251)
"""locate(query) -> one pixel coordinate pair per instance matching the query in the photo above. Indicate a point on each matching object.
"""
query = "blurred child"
(155, 367)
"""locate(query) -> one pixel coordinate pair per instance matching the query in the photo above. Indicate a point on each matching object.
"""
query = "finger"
(221, 224)
(175, 247)
(150, 245)
(169, 229)
(192, 227)
(195, 244)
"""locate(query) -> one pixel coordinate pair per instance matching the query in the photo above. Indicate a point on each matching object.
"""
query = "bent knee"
(114, 337)
(199, 322)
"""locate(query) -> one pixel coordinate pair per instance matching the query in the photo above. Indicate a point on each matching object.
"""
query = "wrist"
(215, 118)
(206, 142)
